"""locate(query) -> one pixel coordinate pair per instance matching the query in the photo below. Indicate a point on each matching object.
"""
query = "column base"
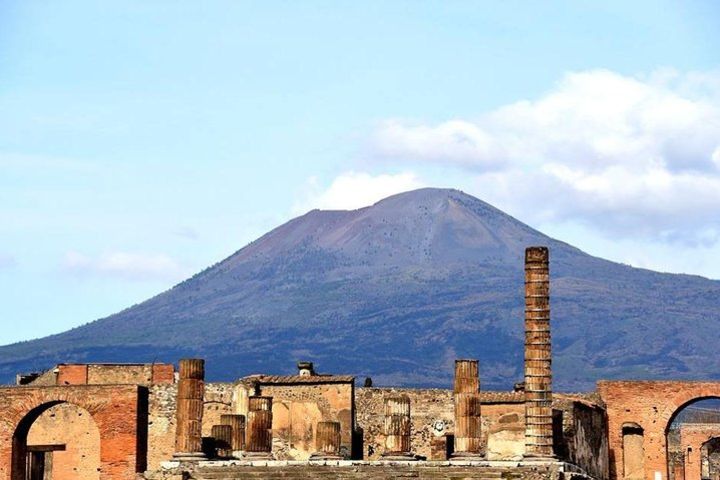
(189, 456)
(539, 457)
(251, 456)
(324, 456)
(398, 457)
(467, 456)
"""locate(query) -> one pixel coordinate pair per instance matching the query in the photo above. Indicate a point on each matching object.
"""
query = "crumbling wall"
(161, 417)
(298, 408)
(431, 416)
(218, 401)
(587, 441)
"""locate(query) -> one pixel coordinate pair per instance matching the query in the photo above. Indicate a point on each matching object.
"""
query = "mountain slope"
(397, 291)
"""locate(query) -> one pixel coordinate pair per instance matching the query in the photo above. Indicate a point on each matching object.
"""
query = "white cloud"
(633, 155)
(129, 266)
(353, 190)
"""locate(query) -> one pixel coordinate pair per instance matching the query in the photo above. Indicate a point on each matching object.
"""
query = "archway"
(689, 432)
(56, 441)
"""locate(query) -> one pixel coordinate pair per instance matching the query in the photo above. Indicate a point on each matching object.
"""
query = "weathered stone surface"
(538, 359)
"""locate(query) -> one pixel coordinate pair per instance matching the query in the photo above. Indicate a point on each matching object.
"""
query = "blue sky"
(142, 141)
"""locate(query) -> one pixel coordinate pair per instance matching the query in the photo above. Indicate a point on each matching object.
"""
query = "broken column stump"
(468, 420)
(190, 399)
(327, 441)
(258, 431)
(237, 422)
(538, 360)
(397, 429)
(222, 440)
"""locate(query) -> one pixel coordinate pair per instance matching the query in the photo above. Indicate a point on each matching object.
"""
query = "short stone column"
(397, 429)
(468, 420)
(538, 357)
(237, 422)
(222, 440)
(258, 432)
(327, 441)
(190, 399)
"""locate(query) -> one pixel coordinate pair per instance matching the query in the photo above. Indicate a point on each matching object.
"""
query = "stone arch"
(684, 399)
(117, 411)
(653, 405)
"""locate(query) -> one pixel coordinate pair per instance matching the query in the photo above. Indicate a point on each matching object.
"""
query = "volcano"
(397, 291)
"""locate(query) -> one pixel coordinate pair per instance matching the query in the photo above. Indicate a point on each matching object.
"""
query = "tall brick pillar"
(397, 428)
(237, 422)
(468, 422)
(327, 441)
(538, 357)
(258, 441)
(190, 397)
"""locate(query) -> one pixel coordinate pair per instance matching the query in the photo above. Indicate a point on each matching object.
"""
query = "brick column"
(397, 428)
(222, 440)
(327, 441)
(258, 441)
(468, 422)
(190, 397)
(538, 358)
(237, 422)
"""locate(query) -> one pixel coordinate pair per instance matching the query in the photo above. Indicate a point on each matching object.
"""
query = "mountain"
(397, 291)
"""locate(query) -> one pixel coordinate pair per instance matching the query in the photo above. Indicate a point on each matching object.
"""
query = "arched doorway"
(56, 441)
(690, 431)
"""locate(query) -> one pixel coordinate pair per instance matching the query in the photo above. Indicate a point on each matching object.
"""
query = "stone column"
(397, 429)
(327, 441)
(237, 422)
(538, 358)
(191, 392)
(468, 422)
(258, 440)
(222, 440)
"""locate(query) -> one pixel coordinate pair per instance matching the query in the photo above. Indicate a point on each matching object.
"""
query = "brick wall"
(114, 410)
(651, 405)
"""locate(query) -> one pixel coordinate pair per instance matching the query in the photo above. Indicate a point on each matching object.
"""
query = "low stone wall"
(432, 418)
(372, 470)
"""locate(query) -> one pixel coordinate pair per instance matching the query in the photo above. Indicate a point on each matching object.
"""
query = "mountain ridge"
(396, 291)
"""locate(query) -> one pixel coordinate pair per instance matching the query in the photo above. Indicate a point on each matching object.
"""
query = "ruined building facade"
(156, 421)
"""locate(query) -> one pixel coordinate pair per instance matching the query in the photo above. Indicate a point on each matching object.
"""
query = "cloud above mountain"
(124, 265)
(351, 190)
(635, 156)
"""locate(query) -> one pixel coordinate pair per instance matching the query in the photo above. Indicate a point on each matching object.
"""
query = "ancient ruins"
(149, 421)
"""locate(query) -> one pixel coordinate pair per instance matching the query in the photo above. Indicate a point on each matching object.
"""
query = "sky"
(142, 141)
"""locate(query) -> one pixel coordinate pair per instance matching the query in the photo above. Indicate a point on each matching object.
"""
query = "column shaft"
(190, 399)
(538, 357)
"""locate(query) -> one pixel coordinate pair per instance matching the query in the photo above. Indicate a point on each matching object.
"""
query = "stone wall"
(297, 409)
(107, 374)
(587, 440)
(377, 471)
(162, 411)
(432, 417)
